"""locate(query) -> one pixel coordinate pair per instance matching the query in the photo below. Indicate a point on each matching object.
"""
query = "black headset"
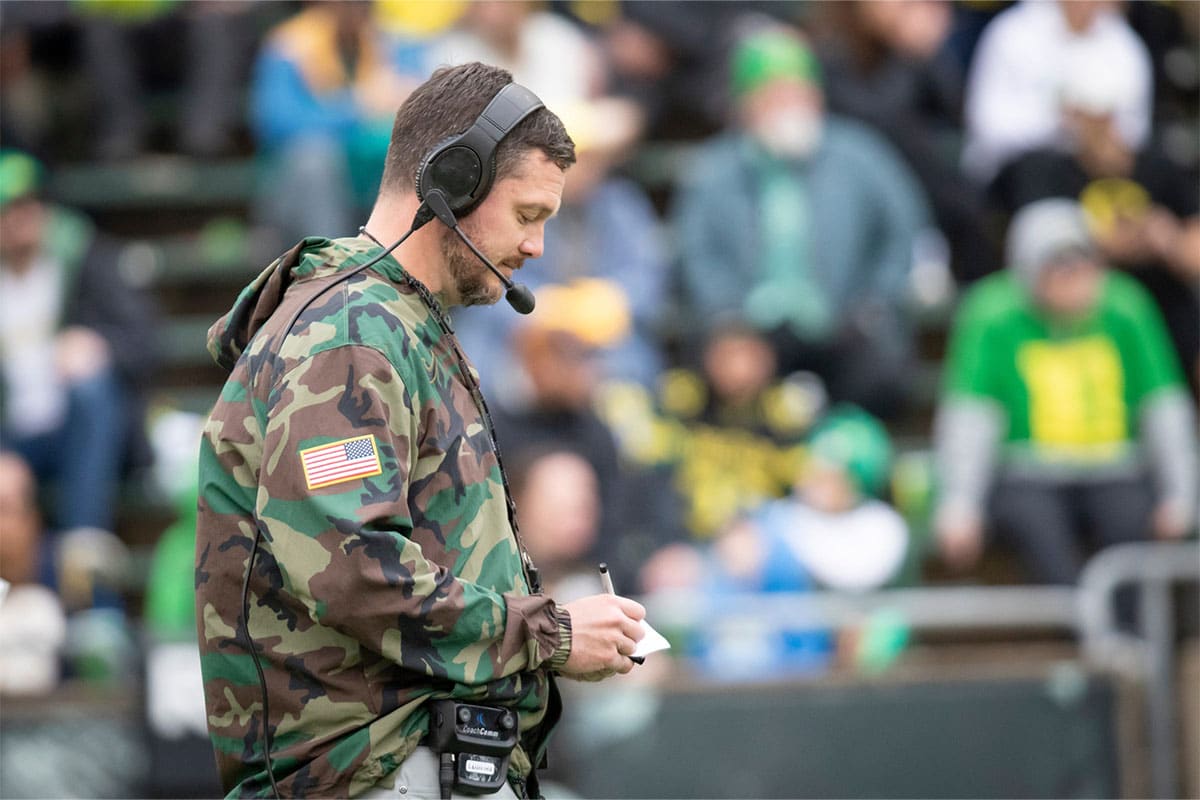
(464, 166)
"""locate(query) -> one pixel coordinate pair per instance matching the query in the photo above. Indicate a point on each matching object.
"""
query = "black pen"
(606, 582)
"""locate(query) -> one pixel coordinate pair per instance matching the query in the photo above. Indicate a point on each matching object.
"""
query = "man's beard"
(468, 274)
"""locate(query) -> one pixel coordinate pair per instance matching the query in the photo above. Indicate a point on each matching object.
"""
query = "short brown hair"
(446, 105)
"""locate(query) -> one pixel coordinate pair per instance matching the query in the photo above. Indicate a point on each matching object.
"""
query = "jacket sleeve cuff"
(534, 626)
(563, 651)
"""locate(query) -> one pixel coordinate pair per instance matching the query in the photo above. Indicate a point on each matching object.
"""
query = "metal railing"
(928, 609)
(1145, 652)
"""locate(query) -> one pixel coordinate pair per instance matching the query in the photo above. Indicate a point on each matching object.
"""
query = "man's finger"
(632, 630)
(632, 608)
(626, 647)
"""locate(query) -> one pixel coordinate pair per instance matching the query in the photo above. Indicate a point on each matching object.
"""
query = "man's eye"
(524, 218)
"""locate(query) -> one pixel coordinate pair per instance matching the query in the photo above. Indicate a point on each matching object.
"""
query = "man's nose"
(533, 245)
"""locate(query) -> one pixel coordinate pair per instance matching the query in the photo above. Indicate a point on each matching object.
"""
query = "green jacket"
(390, 571)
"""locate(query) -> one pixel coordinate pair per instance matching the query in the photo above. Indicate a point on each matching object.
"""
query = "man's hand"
(605, 630)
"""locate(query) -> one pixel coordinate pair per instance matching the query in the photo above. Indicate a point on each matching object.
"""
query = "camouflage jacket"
(389, 569)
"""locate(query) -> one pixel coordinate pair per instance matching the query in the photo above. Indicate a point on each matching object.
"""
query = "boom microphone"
(517, 294)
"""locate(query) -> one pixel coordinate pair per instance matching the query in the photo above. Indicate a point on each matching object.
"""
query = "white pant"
(417, 779)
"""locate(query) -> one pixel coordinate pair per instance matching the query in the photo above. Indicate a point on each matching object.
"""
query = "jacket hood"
(229, 335)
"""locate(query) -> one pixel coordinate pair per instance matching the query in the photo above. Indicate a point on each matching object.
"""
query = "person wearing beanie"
(834, 532)
(836, 523)
(802, 224)
(1065, 425)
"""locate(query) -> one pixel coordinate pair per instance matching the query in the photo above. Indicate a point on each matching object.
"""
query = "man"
(803, 224)
(76, 349)
(1065, 425)
(557, 352)
(352, 453)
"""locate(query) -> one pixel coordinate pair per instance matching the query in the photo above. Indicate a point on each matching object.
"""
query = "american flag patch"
(340, 461)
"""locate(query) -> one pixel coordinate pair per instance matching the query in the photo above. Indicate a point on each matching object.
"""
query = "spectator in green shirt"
(1065, 425)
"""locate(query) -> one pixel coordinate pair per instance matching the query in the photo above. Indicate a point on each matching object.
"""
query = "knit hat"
(856, 441)
(768, 55)
(20, 176)
(1043, 231)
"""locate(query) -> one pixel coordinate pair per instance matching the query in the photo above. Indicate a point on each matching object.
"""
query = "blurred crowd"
(842, 295)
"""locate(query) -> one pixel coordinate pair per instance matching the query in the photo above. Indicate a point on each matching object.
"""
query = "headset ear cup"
(423, 178)
(458, 171)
